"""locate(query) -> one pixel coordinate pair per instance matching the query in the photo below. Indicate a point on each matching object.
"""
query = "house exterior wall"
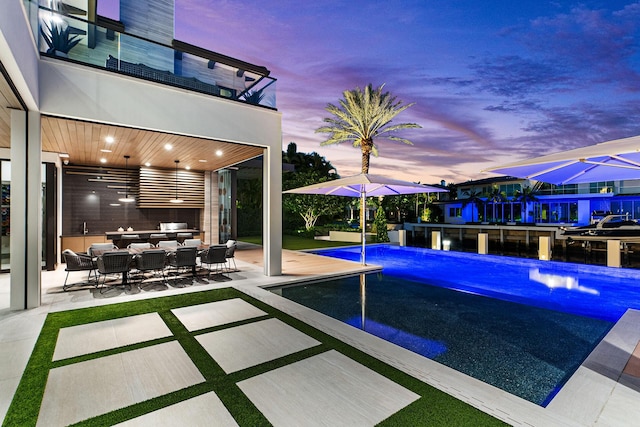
(52, 87)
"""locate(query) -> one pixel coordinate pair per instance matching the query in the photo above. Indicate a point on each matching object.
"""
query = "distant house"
(554, 204)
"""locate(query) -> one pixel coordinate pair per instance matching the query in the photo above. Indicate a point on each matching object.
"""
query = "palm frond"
(363, 115)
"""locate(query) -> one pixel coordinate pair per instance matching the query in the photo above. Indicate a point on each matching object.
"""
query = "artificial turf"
(433, 408)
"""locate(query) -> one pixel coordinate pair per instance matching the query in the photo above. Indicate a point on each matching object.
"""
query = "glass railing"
(80, 41)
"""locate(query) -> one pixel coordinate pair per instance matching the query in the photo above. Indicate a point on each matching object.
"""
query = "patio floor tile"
(248, 345)
(108, 334)
(217, 313)
(326, 390)
(204, 410)
(83, 390)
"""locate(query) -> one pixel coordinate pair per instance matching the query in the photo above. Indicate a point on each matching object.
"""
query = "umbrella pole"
(363, 225)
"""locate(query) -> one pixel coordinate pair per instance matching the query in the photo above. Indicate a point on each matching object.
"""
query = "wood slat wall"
(158, 186)
(124, 181)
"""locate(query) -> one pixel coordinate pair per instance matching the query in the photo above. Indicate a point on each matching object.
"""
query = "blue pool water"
(519, 324)
(587, 290)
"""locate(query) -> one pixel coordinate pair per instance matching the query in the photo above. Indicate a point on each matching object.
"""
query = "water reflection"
(558, 281)
(363, 300)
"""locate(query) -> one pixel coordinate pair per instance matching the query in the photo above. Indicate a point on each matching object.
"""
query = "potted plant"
(59, 39)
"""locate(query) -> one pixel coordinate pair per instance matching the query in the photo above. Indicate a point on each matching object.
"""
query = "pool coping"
(596, 393)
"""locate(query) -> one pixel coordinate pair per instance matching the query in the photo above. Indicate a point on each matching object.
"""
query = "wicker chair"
(99, 248)
(140, 245)
(217, 256)
(168, 244)
(153, 260)
(183, 260)
(192, 242)
(114, 263)
(79, 262)
(230, 256)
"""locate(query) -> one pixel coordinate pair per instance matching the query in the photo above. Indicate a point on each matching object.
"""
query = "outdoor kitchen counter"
(145, 234)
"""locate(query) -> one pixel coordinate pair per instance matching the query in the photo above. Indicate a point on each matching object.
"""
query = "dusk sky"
(492, 81)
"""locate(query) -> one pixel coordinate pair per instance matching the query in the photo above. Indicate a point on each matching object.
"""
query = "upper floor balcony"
(107, 46)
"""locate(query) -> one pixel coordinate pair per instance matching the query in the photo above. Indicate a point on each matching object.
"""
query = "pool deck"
(603, 392)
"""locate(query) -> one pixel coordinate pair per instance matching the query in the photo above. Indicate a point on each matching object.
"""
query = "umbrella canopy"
(612, 160)
(363, 186)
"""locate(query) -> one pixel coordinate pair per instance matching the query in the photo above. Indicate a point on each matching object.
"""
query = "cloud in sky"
(490, 84)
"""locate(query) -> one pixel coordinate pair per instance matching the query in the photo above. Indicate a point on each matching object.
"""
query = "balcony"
(108, 47)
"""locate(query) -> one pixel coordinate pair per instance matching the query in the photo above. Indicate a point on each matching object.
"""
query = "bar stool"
(154, 238)
(180, 237)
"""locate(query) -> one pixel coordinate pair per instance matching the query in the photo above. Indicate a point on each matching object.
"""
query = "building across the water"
(501, 200)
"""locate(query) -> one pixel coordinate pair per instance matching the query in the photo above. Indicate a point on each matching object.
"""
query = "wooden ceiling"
(83, 141)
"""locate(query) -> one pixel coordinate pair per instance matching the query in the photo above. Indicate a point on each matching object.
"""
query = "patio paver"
(328, 389)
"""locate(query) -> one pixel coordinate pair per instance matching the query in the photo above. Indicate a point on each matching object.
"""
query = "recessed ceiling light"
(218, 153)
(103, 160)
(109, 139)
(114, 204)
(105, 150)
(168, 147)
(63, 155)
(187, 167)
(147, 164)
(203, 160)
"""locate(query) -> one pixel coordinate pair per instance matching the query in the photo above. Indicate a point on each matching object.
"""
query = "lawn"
(433, 408)
(297, 243)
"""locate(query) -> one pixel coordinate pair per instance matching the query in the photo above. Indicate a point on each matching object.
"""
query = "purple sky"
(492, 81)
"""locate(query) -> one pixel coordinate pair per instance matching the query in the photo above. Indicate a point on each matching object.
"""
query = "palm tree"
(453, 191)
(473, 197)
(525, 196)
(494, 197)
(361, 117)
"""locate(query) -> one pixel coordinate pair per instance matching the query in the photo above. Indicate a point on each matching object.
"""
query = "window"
(601, 187)
(455, 212)
(556, 212)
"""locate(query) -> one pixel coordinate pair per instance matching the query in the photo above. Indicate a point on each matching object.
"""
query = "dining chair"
(192, 242)
(215, 256)
(79, 262)
(154, 238)
(182, 260)
(140, 245)
(230, 256)
(114, 263)
(98, 248)
(168, 244)
(153, 260)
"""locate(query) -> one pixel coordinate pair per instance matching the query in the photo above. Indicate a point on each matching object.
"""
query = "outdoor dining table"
(135, 251)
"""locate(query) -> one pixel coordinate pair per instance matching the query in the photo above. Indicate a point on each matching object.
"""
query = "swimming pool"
(519, 324)
(587, 290)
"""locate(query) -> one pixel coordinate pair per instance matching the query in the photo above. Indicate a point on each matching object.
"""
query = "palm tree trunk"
(366, 155)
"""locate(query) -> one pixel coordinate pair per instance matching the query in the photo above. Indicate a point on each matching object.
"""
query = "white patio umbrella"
(363, 186)
(612, 160)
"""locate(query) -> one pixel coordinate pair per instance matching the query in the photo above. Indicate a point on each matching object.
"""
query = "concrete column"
(544, 248)
(26, 210)
(272, 211)
(436, 241)
(483, 243)
(613, 253)
(402, 237)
